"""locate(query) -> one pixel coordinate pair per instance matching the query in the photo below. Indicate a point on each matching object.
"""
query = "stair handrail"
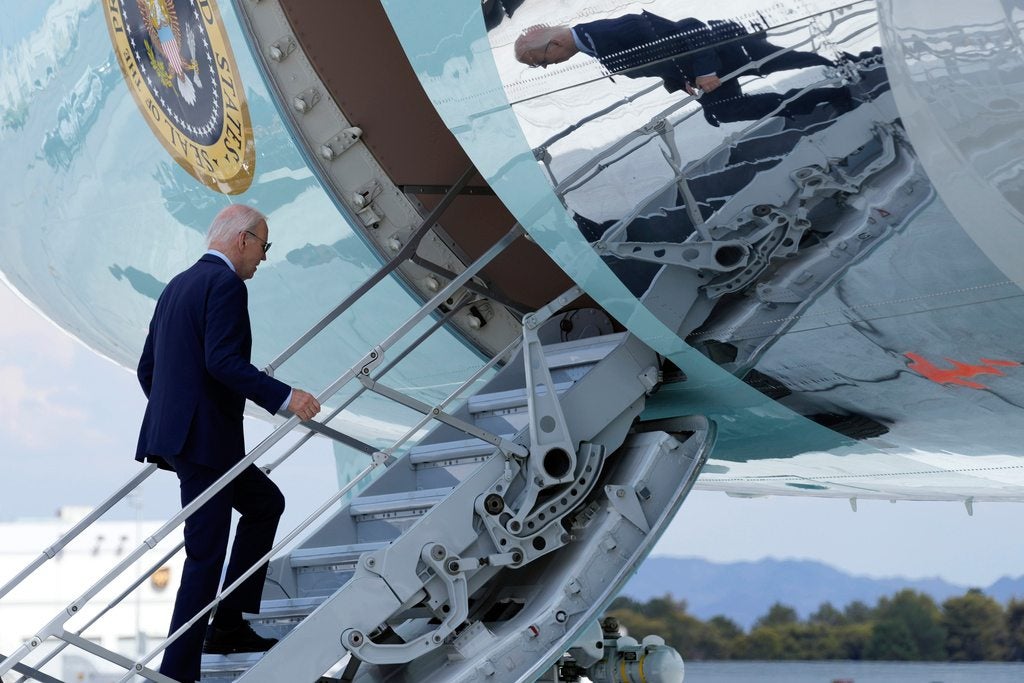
(380, 458)
(792, 22)
(50, 552)
(111, 605)
(651, 129)
(616, 229)
(502, 356)
(467, 300)
(613, 231)
(403, 254)
(312, 517)
(648, 130)
(628, 99)
(55, 626)
(267, 469)
(136, 480)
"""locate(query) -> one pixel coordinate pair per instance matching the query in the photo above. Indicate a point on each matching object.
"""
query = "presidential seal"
(178, 64)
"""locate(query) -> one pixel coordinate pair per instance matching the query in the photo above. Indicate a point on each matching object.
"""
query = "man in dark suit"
(687, 55)
(196, 372)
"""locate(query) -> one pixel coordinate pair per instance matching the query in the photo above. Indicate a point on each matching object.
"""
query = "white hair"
(534, 37)
(231, 221)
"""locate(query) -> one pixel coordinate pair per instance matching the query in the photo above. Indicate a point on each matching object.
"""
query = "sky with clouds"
(69, 421)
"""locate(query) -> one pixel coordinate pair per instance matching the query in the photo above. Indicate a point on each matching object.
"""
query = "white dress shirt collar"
(223, 258)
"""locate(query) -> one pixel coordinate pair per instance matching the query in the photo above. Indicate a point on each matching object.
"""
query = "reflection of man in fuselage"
(687, 55)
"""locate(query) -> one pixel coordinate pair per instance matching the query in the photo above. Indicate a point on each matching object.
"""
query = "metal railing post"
(326, 505)
(55, 626)
(73, 533)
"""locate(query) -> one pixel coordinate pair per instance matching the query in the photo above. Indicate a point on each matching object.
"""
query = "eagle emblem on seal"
(164, 48)
(178, 64)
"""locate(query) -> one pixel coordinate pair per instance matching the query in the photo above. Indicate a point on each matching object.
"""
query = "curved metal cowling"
(858, 370)
(98, 216)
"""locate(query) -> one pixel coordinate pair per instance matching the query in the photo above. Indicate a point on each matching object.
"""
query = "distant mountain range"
(743, 591)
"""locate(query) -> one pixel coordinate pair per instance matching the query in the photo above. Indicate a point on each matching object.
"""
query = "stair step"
(294, 609)
(580, 351)
(450, 451)
(336, 556)
(513, 399)
(559, 356)
(436, 514)
(227, 667)
(393, 504)
(277, 618)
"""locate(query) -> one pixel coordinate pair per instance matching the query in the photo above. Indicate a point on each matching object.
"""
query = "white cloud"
(30, 414)
(25, 333)
(39, 389)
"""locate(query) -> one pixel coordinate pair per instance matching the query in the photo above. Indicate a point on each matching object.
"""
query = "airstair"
(485, 549)
(766, 221)
(489, 547)
(464, 561)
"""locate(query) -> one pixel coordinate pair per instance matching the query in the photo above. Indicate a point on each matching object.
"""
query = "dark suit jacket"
(675, 51)
(196, 372)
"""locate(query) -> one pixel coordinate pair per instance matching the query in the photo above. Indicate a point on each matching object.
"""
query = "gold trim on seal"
(226, 164)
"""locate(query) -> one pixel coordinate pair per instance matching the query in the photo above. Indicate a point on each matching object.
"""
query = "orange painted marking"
(960, 372)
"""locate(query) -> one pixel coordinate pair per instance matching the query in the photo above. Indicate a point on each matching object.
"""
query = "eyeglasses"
(266, 245)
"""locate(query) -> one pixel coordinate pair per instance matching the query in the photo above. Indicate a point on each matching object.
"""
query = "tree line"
(908, 626)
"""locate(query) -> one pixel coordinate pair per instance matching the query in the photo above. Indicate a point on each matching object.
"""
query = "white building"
(132, 627)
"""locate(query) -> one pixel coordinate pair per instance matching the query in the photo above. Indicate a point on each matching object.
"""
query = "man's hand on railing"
(705, 83)
(303, 404)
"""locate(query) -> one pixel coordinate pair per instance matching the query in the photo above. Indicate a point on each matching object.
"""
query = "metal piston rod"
(55, 627)
(268, 469)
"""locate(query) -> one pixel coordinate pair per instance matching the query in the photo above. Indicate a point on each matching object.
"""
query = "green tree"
(827, 615)
(1015, 630)
(664, 607)
(709, 643)
(853, 640)
(976, 626)
(908, 626)
(811, 641)
(891, 639)
(622, 602)
(858, 612)
(764, 642)
(667, 618)
(631, 618)
(778, 615)
(726, 627)
(717, 639)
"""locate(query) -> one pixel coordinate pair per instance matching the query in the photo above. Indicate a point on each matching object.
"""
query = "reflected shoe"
(238, 639)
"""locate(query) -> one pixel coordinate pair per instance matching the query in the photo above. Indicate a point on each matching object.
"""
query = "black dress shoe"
(238, 639)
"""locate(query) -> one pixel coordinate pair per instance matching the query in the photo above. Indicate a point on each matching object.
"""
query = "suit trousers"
(758, 47)
(260, 504)
(728, 103)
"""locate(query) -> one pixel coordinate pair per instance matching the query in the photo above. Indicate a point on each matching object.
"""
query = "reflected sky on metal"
(845, 357)
(98, 217)
(476, 110)
(959, 80)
